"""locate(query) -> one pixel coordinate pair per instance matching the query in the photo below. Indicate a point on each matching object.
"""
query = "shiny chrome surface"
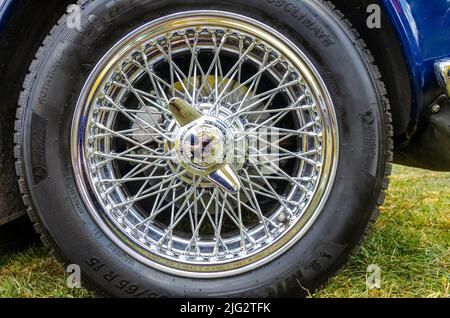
(219, 78)
(442, 69)
(205, 160)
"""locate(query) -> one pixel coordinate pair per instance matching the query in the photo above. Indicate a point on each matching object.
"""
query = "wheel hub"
(204, 145)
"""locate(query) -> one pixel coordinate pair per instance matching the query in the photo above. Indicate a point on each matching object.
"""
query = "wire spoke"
(153, 113)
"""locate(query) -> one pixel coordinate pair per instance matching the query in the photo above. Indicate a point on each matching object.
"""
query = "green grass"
(410, 242)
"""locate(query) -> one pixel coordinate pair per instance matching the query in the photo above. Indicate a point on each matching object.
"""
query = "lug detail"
(202, 145)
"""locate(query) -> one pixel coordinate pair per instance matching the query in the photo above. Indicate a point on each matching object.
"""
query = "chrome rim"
(204, 144)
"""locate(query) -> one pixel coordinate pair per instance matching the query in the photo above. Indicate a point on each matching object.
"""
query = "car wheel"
(281, 103)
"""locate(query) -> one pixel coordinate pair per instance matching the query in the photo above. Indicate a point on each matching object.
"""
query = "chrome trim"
(442, 70)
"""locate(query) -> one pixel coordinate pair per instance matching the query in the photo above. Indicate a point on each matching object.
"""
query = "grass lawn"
(410, 242)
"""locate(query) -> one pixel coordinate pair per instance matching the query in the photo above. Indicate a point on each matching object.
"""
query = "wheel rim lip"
(323, 186)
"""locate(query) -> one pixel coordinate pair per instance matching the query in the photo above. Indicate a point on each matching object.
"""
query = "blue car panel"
(424, 31)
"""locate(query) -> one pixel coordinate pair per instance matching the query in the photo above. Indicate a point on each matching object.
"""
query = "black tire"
(47, 181)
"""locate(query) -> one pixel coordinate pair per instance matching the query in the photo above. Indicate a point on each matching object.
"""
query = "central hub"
(204, 145)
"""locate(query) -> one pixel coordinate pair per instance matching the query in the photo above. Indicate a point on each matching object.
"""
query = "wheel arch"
(388, 54)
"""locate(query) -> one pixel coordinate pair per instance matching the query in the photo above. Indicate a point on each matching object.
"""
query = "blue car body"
(423, 27)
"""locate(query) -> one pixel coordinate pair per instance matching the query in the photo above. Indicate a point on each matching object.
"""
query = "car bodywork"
(414, 37)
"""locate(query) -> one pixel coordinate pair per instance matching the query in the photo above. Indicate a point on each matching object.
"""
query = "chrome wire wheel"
(231, 91)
